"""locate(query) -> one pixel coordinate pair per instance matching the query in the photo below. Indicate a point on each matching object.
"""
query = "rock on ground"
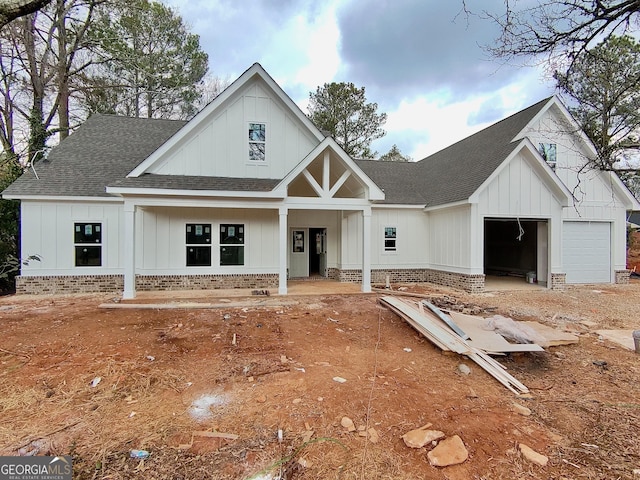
(450, 451)
(533, 456)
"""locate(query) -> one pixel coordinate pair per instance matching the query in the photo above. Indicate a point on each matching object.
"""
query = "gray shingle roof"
(454, 173)
(106, 148)
(188, 182)
(400, 181)
(103, 149)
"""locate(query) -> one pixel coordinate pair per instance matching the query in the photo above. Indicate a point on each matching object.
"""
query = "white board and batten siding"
(412, 239)
(596, 216)
(519, 191)
(161, 240)
(450, 239)
(48, 231)
(220, 146)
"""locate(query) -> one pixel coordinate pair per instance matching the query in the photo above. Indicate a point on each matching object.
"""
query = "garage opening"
(516, 248)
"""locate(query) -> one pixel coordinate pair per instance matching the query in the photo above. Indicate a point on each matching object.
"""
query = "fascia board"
(630, 202)
(60, 198)
(255, 70)
(448, 205)
(398, 206)
(562, 193)
(577, 130)
(619, 186)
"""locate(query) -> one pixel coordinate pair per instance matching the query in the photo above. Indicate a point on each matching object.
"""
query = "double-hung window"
(198, 239)
(231, 244)
(87, 239)
(257, 142)
(389, 239)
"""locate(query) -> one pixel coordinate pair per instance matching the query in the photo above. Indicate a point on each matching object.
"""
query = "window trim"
(385, 238)
(221, 245)
(77, 245)
(250, 160)
(198, 245)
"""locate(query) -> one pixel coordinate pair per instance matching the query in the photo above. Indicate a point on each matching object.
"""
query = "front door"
(308, 252)
(299, 253)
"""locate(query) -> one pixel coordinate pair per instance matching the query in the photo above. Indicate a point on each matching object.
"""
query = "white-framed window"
(198, 244)
(231, 244)
(257, 142)
(390, 239)
(548, 152)
(87, 241)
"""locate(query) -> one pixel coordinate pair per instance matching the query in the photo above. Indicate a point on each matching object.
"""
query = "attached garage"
(586, 252)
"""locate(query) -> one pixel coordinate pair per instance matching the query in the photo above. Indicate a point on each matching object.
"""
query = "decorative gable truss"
(329, 174)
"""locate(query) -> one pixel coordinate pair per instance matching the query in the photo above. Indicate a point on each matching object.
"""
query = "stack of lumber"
(436, 327)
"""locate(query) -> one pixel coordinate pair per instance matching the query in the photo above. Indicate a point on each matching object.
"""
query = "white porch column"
(366, 250)
(129, 251)
(282, 267)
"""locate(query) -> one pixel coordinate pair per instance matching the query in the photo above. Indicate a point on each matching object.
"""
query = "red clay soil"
(155, 366)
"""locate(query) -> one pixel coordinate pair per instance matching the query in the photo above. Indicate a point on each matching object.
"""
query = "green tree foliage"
(9, 214)
(341, 109)
(604, 86)
(151, 65)
(394, 155)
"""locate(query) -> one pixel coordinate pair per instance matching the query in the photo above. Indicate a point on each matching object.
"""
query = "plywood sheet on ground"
(488, 340)
(553, 336)
(623, 338)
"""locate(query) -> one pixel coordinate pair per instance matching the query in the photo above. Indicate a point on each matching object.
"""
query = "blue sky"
(421, 61)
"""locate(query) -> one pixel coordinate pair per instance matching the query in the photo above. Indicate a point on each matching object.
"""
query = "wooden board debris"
(446, 319)
(424, 323)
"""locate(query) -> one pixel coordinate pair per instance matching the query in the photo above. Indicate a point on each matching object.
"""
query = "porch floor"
(312, 287)
(294, 287)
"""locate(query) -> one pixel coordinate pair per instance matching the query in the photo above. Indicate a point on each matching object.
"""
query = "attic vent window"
(257, 142)
(548, 152)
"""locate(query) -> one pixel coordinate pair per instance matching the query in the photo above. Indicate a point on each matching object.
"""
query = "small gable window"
(390, 239)
(198, 242)
(548, 152)
(257, 142)
(87, 239)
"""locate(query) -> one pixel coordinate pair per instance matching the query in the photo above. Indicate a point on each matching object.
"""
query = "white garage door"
(586, 252)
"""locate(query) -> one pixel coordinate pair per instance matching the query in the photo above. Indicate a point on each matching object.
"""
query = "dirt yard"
(97, 383)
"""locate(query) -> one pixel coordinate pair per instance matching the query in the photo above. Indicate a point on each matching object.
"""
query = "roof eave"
(169, 192)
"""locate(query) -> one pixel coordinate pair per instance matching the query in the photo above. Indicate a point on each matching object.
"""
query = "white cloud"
(418, 59)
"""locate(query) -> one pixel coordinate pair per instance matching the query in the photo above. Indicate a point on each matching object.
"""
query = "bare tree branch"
(12, 9)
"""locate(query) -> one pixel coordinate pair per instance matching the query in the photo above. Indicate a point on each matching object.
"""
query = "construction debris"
(484, 338)
(429, 325)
